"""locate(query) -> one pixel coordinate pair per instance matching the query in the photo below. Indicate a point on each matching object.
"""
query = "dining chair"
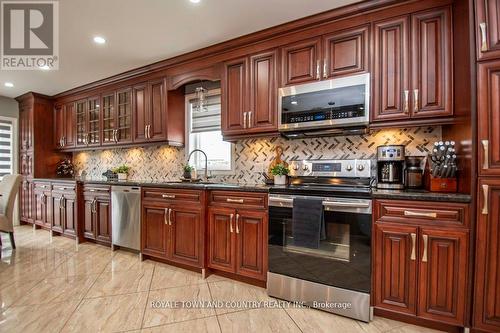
(9, 187)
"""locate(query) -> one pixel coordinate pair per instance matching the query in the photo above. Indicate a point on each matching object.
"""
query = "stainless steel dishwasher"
(126, 216)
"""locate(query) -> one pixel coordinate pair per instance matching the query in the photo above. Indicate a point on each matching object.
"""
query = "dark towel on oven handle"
(308, 223)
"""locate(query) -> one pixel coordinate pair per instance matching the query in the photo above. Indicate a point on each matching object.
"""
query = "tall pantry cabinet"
(486, 315)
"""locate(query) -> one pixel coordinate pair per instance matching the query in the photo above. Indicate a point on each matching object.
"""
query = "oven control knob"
(349, 168)
(361, 167)
(295, 167)
(305, 167)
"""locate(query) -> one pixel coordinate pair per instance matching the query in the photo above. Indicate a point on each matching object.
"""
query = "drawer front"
(172, 195)
(64, 188)
(96, 190)
(238, 199)
(41, 186)
(422, 212)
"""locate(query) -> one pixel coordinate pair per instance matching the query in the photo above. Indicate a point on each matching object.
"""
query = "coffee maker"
(390, 167)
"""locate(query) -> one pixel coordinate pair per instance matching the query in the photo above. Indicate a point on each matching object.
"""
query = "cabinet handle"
(249, 119)
(237, 223)
(325, 74)
(168, 196)
(484, 43)
(64, 141)
(486, 150)
(244, 120)
(170, 216)
(234, 200)
(424, 256)
(231, 216)
(486, 197)
(407, 102)
(60, 203)
(149, 131)
(422, 214)
(317, 70)
(165, 216)
(415, 102)
(413, 246)
(60, 142)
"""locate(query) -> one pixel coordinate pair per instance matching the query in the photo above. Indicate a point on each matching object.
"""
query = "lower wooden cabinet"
(486, 315)
(26, 201)
(421, 263)
(237, 242)
(97, 213)
(170, 229)
(43, 208)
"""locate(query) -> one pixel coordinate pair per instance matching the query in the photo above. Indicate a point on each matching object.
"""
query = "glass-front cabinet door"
(93, 135)
(108, 119)
(123, 132)
(81, 123)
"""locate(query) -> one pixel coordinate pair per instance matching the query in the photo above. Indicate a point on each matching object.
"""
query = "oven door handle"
(289, 202)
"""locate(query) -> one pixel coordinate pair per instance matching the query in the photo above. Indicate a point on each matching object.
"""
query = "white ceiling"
(142, 32)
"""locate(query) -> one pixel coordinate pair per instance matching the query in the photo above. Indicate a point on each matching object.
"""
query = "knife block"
(435, 184)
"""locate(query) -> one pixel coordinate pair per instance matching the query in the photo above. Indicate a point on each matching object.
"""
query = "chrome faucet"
(206, 177)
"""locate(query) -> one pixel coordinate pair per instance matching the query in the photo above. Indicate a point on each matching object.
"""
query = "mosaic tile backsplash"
(252, 156)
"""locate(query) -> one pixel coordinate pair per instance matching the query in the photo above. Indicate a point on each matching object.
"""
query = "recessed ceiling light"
(44, 67)
(9, 84)
(99, 40)
(195, 1)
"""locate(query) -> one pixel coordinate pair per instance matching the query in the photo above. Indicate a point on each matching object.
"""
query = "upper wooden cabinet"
(64, 130)
(488, 29)
(301, 62)
(486, 316)
(488, 102)
(117, 117)
(340, 53)
(346, 52)
(416, 81)
(249, 95)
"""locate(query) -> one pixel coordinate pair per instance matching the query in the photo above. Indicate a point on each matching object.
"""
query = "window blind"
(6, 148)
(208, 119)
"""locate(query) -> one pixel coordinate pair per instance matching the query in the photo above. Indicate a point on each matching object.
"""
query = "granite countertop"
(420, 195)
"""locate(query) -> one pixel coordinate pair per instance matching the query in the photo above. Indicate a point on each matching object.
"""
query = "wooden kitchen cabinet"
(171, 229)
(108, 131)
(346, 52)
(237, 241)
(88, 122)
(391, 92)
(421, 260)
(43, 208)
(150, 111)
(81, 117)
(395, 267)
(413, 82)
(488, 92)
(26, 201)
(186, 244)
(301, 62)
(97, 213)
(488, 29)
(442, 281)
(249, 96)
(486, 315)
(251, 243)
(221, 242)
(64, 116)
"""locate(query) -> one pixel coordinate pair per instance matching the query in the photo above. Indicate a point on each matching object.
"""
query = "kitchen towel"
(308, 224)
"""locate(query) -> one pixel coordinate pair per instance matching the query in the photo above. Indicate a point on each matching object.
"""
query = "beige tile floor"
(49, 286)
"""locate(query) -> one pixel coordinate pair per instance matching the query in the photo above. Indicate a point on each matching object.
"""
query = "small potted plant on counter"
(280, 172)
(122, 172)
(187, 171)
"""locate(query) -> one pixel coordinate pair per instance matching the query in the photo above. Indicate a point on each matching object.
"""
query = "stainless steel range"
(328, 265)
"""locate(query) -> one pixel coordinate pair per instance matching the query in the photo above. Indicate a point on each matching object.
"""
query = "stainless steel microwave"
(325, 107)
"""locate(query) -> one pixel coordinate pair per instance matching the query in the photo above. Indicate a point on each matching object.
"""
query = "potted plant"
(187, 171)
(122, 172)
(280, 172)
